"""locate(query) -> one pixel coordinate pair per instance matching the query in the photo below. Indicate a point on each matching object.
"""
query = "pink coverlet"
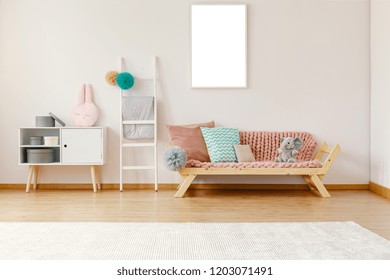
(264, 145)
(255, 164)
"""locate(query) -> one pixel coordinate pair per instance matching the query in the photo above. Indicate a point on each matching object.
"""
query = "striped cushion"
(220, 141)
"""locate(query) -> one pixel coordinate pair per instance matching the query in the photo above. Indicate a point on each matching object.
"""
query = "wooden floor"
(361, 206)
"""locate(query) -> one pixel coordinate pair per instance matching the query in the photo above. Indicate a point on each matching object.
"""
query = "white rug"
(190, 241)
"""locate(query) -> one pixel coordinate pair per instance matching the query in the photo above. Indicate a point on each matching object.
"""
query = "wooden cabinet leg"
(98, 177)
(29, 176)
(93, 176)
(36, 175)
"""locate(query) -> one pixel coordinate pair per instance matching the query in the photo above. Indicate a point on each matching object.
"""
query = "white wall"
(380, 92)
(308, 70)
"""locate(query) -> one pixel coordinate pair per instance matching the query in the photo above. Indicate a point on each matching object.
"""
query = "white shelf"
(76, 145)
(40, 146)
(44, 127)
(49, 163)
(62, 164)
(60, 127)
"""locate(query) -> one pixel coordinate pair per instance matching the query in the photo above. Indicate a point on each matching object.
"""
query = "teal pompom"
(125, 80)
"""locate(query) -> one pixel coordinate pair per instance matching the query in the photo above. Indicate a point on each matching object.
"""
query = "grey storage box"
(40, 155)
(44, 121)
(35, 140)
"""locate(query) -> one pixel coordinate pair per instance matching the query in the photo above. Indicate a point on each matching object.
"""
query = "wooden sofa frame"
(312, 176)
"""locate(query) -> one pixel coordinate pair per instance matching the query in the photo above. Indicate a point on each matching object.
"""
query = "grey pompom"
(175, 158)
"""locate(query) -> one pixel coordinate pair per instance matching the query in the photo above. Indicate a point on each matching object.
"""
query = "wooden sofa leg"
(183, 178)
(185, 185)
(319, 185)
(309, 183)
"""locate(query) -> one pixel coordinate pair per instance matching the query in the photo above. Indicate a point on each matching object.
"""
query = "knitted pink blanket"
(264, 146)
(255, 164)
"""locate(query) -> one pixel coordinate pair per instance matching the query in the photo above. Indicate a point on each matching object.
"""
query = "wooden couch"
(311, 166)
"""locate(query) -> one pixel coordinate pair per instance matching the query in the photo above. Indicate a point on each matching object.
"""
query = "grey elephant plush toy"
(288, 150)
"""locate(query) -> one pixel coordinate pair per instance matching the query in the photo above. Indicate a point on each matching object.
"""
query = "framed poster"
(218, 46)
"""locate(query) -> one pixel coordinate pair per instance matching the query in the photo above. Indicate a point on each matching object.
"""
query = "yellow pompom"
(111, 77)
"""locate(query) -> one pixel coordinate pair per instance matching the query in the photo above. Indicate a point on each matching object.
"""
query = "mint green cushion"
(220, 143)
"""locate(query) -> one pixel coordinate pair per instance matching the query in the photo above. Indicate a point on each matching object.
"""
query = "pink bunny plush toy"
(85, 112)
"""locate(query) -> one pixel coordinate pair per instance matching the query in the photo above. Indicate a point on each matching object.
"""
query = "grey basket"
(44, 121)
(40, 155)
(35, 140)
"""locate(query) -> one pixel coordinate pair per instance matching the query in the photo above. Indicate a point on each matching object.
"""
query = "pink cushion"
(85, 112)
(190, 138)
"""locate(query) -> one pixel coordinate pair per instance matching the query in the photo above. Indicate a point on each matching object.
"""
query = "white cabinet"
(82, 146)
(75, 146)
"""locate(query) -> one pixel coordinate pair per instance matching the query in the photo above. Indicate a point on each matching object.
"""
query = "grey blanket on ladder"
(138, 108)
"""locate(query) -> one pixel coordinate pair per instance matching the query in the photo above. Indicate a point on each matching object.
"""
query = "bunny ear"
(88, 93)
(81, 97)
(297, 143)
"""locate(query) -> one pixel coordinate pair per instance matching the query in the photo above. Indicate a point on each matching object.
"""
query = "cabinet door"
(82, 145)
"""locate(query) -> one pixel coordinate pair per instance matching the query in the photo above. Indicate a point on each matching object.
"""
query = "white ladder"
(140, 144)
